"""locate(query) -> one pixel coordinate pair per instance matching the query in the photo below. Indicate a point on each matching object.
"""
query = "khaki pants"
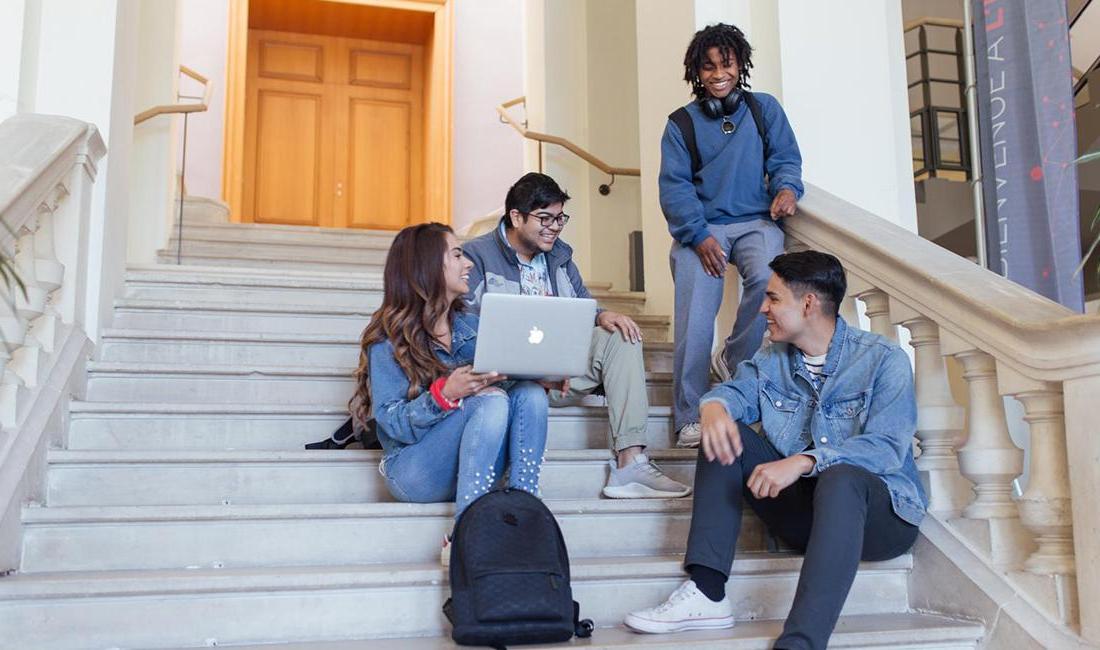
(618, 367)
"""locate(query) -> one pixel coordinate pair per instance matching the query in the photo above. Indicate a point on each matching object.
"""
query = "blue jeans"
(750, 246)
(466, 453)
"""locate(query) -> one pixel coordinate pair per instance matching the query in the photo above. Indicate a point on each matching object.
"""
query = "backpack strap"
(761, 127)
(682, 119)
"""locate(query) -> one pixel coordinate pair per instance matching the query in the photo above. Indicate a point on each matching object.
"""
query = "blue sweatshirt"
(730, 186)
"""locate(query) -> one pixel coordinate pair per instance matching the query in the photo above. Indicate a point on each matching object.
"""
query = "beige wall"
(613, 137)
(556, 90)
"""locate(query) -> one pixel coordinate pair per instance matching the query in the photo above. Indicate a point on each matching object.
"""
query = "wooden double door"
(333, 131)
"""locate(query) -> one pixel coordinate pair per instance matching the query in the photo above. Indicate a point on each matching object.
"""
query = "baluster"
(49, 274)
(29, 305)
(1045, 506)
(878, 312)
(939, 419)
(989, 459)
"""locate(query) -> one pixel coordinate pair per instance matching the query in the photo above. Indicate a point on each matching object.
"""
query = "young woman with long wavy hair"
(447, 432)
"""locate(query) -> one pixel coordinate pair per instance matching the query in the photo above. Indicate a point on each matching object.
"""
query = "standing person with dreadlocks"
(730, 170)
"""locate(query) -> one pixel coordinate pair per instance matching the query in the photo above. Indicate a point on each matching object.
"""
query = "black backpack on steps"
(510, 575)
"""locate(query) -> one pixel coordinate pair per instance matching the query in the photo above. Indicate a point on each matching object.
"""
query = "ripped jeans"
(466, 454)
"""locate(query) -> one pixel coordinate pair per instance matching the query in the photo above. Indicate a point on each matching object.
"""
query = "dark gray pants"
(842, 516)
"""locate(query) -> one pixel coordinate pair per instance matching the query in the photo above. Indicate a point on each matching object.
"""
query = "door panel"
(288, 161)
(292, 61)
(378, 171)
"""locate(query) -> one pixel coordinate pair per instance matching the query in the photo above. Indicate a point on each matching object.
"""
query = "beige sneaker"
(689, 435)
(445, 553)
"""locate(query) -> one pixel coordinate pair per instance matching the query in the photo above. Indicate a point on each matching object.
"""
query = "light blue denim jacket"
(865, 414)
(403, 421)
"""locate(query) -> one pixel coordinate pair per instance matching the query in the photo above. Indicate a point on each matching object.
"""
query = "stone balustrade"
(1007, 342)
(45, 193)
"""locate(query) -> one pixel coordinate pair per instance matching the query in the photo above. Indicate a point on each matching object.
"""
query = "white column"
(154, 172)
(86, 68)
(11, 55)
(868, 89)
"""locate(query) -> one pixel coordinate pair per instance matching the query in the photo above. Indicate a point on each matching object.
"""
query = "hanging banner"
(1028, 142)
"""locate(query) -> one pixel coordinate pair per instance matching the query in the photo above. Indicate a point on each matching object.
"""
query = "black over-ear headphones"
(715, 108)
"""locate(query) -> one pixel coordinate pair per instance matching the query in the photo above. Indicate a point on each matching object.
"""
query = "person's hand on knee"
(712, 256)
(769, 479)
(721, 437)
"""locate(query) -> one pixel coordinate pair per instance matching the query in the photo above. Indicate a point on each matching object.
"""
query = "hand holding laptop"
(464, 382)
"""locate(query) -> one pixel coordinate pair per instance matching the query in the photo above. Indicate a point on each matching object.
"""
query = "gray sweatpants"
(749, 246)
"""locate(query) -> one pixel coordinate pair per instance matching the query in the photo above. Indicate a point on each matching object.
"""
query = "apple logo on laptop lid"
(535, 337)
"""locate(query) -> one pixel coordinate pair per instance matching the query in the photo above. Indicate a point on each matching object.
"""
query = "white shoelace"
(681, 594)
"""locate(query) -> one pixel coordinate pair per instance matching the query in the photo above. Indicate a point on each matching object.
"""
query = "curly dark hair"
(730, 41)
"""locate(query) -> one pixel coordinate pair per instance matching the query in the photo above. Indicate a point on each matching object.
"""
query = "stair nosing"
(168, 368)
(92, 515)
(85, 584)
(84, 407)
(71, 457)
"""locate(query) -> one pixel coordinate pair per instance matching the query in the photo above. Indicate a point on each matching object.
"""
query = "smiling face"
(456, 269)
(528, 236)
(787, 313)
(719, 77)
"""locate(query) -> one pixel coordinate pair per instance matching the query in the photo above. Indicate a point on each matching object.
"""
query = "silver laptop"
(534, 337)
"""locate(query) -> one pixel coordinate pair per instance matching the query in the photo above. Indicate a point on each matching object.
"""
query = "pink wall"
(488, 59)
(204, 34)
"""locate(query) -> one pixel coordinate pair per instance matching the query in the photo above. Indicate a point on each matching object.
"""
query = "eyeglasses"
(546, 219)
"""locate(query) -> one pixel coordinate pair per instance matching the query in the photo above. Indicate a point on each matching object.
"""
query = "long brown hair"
(414, 298)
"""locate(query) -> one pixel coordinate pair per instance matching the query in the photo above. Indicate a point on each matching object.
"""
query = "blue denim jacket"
(403, 421)
(865, 414)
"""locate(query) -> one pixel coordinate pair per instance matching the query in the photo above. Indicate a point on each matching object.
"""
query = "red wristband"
(437, 394)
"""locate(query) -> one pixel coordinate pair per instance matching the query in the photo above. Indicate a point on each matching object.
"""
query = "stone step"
(187, 315)
(905, 631)
(110, 381)
(104, 538)
(205, 607)
(183, 426)
(246, 286)
(246, 348)
(108, 478)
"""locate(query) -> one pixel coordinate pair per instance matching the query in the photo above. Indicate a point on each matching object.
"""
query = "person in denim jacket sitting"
(447, 433)
(831, 473)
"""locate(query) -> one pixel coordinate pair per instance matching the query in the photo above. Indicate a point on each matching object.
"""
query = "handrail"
(1020, 328)
(502, 110)
(164, 109)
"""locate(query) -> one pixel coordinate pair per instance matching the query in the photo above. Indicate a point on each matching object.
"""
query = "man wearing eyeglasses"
(525, 255)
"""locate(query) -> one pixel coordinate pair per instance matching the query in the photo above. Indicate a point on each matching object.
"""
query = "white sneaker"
(642, 479)
(686, 609)
(689, 435)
